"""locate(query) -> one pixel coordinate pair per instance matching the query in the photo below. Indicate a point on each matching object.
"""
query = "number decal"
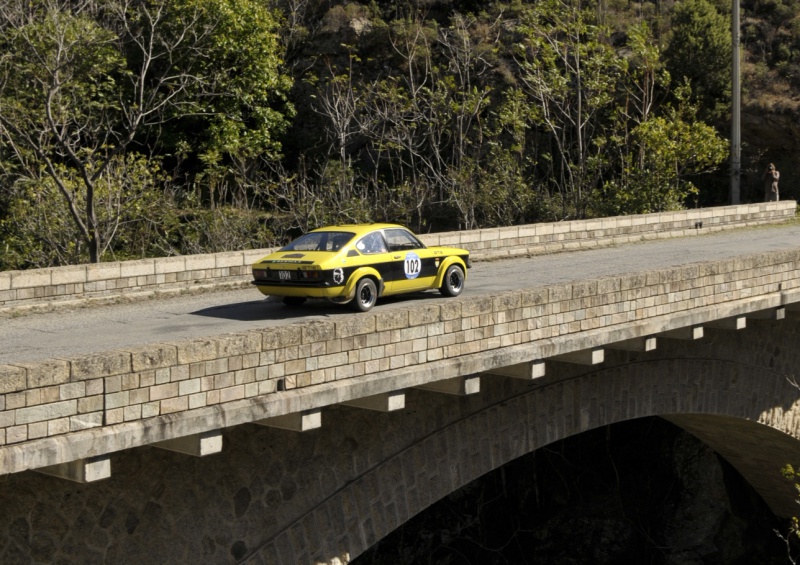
(412, 265)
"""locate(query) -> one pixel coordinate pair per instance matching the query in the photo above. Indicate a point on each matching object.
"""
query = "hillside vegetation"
(136, 128)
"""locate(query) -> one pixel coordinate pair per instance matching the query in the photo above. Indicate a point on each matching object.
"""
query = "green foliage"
(439, 119)
(666, 152)
(241, 100)
(36, 232)
(571, 75)
(81, 84)
(790, 473)
(699, 49)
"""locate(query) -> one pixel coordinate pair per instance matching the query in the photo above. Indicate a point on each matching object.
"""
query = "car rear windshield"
(320, 241)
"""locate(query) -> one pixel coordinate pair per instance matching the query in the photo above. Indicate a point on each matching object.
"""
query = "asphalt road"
(78, 331)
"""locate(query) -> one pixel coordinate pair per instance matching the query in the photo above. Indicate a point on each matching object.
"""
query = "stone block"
(476, 306)
(160, 392)
(46, 412)
(40, 396)
(151, 409)
(173, 374)
(15, 400)
(7, 419)
(197, 400)
(584, 289)
(200, 262)
(153, 356)
(130, 381)
(138, 268)
(49, 394)
(12, 379)
(37, 430)
(131, 413)
(46, 373)
(355, 324)
(102, 272)
(164, 265)
(31, 278)
(231, 393)
(216, 367)
(239, 344)
(391, 319)
(90, 404)
(280, 337)
(316, 331)
(189, 387)
(117, 400)
(197, 350)
(228, 259)
(422, 315)
(16, 434)
(196, 370)
(70, 391)
(9, 296)
(58, 427)
(86, 421)
(506, 301)
(140, 395)
(68, 275)
(177, 404)
(5, 281)
(100, 365)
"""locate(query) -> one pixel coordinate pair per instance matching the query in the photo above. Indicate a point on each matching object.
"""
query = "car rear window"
(320, 241)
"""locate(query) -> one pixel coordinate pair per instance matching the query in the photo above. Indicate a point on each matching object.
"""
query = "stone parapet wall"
(156, 385)
(51, 287)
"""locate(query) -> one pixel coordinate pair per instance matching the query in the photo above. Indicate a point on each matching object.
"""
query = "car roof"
(359, 229)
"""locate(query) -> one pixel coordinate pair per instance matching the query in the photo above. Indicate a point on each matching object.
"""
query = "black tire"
(294, 301)
(366, 295)
(453, 282)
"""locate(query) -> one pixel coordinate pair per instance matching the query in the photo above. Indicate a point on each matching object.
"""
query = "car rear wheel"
(453, 282)
(294, 301)
(366, 295)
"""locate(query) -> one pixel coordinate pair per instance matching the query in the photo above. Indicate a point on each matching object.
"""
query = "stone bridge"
(310, 442)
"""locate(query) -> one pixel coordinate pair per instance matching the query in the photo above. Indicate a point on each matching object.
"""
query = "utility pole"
(736, 103)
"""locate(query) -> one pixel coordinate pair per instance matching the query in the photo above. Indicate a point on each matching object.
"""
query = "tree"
(570, 75)
(666, 152)
(84, 83)
(793, 536)
(699, 49)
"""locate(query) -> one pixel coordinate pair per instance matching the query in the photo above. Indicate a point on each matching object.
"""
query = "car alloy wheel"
(366, 295)
(453, 282)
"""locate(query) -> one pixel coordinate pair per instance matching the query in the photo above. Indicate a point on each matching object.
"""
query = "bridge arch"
(279, 497)
(733, 391)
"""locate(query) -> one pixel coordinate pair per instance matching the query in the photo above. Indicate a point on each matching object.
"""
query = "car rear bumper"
(300, 290)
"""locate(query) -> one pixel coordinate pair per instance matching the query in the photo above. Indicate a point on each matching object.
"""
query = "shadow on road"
(272, 308)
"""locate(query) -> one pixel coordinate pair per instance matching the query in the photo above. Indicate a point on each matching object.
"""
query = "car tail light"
(259, 274)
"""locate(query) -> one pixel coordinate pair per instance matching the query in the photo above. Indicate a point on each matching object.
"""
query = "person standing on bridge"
(770, 179)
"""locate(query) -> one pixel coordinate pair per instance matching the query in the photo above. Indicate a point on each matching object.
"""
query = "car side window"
(401, 240)
(371, 243)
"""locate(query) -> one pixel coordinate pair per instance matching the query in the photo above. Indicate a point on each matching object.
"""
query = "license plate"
(285, 275)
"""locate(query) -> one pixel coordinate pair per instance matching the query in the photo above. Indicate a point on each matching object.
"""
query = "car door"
(413, 266)
(375, 253)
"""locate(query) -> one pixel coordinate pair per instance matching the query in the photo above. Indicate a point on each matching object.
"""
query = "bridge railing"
(51, 287)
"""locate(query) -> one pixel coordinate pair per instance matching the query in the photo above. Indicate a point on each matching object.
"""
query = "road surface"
(96, 328)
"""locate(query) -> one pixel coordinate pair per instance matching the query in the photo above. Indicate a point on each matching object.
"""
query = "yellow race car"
(358, 263)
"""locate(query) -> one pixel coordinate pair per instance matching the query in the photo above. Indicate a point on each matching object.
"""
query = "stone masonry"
(63, 410)
(277, 497)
